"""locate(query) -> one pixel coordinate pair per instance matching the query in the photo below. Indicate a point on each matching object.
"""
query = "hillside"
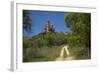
(43, 47)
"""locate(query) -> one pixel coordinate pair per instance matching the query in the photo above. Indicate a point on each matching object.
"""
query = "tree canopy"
(80, 25)
(80, 36)
(27, 20)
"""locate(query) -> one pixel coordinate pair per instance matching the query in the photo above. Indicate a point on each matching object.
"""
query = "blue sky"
(39, 19)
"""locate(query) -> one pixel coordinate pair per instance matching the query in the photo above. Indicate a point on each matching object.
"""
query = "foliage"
(26, 45)
(80, 25)
(47, 46)
(50, 39)
(80, 53)
(43, 47)
(27, 20)
(80, 35)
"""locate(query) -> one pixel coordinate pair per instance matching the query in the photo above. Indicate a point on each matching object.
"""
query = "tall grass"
(43, 54)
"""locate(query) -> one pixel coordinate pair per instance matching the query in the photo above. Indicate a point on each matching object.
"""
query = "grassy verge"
(42, 54)
(80, 53)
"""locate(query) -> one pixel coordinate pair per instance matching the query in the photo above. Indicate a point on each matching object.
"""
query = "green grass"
(80, 53)
(51, 53)
(43, 53)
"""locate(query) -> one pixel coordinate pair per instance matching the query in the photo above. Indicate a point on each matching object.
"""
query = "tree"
(80, 25)
(80, 36)
(27, 20)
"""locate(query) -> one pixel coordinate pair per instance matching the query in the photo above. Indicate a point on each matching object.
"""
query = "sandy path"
(61, 57)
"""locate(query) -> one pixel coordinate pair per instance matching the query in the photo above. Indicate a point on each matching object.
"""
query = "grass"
(48, 47)
(43, 54)
(80, 53)
(51, 53)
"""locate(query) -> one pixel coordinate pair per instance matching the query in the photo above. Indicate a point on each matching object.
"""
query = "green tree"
(80, 25)
(79, 39)
(27, 20)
